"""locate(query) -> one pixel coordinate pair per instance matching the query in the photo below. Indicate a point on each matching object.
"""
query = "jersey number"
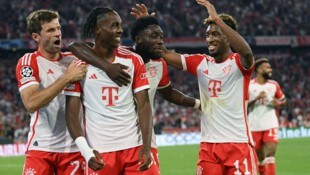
(76, 165)
(245, 163)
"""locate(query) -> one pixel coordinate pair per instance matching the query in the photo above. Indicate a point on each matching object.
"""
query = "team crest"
(153, 71)
(26, 71)
(30, 171)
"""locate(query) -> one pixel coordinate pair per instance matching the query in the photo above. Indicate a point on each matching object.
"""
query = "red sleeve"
(279, 94)
(191, 62)
(165, 79)
(245, 72)
(140, 81)
(27, 72)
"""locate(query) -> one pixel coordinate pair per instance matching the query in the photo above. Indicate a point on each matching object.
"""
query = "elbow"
(73, 46)
(31, 108)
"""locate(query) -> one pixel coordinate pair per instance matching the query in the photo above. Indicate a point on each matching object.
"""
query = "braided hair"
(91, 22)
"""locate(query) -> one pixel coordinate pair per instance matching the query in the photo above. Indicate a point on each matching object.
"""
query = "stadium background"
(279, 31)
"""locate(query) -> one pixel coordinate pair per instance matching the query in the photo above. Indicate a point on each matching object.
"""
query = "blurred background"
(279, 31)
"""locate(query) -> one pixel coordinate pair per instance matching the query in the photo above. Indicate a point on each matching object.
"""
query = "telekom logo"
(111, 95)
(214, 86)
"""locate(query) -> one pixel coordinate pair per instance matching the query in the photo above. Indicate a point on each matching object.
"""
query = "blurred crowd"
(290, 69)
(177, 18)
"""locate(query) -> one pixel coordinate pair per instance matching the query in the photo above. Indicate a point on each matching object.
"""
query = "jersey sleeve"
(279, 94)
(165, 79)
(190, 63)
(73, 89)
(140, 80)
(245, 72)
(27, 72)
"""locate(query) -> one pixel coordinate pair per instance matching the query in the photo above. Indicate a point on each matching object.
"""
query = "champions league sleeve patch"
(26, 71)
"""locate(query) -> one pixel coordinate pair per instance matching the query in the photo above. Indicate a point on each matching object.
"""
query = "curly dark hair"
(141, 24)
(228, 19)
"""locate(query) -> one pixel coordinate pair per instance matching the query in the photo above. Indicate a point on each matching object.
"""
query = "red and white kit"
(48, 130)
(263, 120)
(111, 121)
(224, 96)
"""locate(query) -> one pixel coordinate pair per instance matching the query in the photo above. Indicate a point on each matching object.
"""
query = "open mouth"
(57, 42)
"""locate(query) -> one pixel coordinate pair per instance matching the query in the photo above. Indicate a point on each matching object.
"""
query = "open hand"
(211, 10)
(117, 73)
(140, 11)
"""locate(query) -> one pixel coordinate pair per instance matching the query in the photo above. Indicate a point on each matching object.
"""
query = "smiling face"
(216, 41)
(109, 30)
(49, 38)
(150, 41)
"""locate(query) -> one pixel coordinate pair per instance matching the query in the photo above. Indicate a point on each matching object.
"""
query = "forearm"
(238, 43)
(87, 54)
(145, 117)
(179, 98)
(42, 97)
(173, 59)
(73, 106)
(146, 124)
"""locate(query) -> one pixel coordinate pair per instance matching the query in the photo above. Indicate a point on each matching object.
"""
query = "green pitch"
(292, 159)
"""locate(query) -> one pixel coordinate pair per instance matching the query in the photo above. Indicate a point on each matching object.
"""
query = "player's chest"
(218, 74)
(154, 73)
(269, 89)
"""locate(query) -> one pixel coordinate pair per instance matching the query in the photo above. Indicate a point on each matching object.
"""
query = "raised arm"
(35, 97)
(91, 156)
(114, 71)
(235, 39)
(174, 96)
(146, 125)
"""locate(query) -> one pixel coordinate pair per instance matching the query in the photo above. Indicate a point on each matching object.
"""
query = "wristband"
(85, 150)
(197, 103)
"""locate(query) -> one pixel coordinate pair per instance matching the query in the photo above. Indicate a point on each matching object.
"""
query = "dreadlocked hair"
(141, 24)
(229, 20)
(91, 22)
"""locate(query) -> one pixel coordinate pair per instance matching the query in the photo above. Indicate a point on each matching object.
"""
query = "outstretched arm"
(91, 156)
(236, 40)
(114, 71)
(146, 125)
(174, 96)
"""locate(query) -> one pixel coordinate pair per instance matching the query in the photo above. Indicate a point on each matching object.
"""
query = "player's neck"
(49, 56)
(104, 53)
(220, 58)
(261, 80)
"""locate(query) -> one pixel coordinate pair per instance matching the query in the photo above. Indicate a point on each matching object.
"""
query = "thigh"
(39, 162)
(271, 135)
(131, 165)
(258, 139)
(112, 164)
(207, 163)
(241, 159)
(70, 164)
